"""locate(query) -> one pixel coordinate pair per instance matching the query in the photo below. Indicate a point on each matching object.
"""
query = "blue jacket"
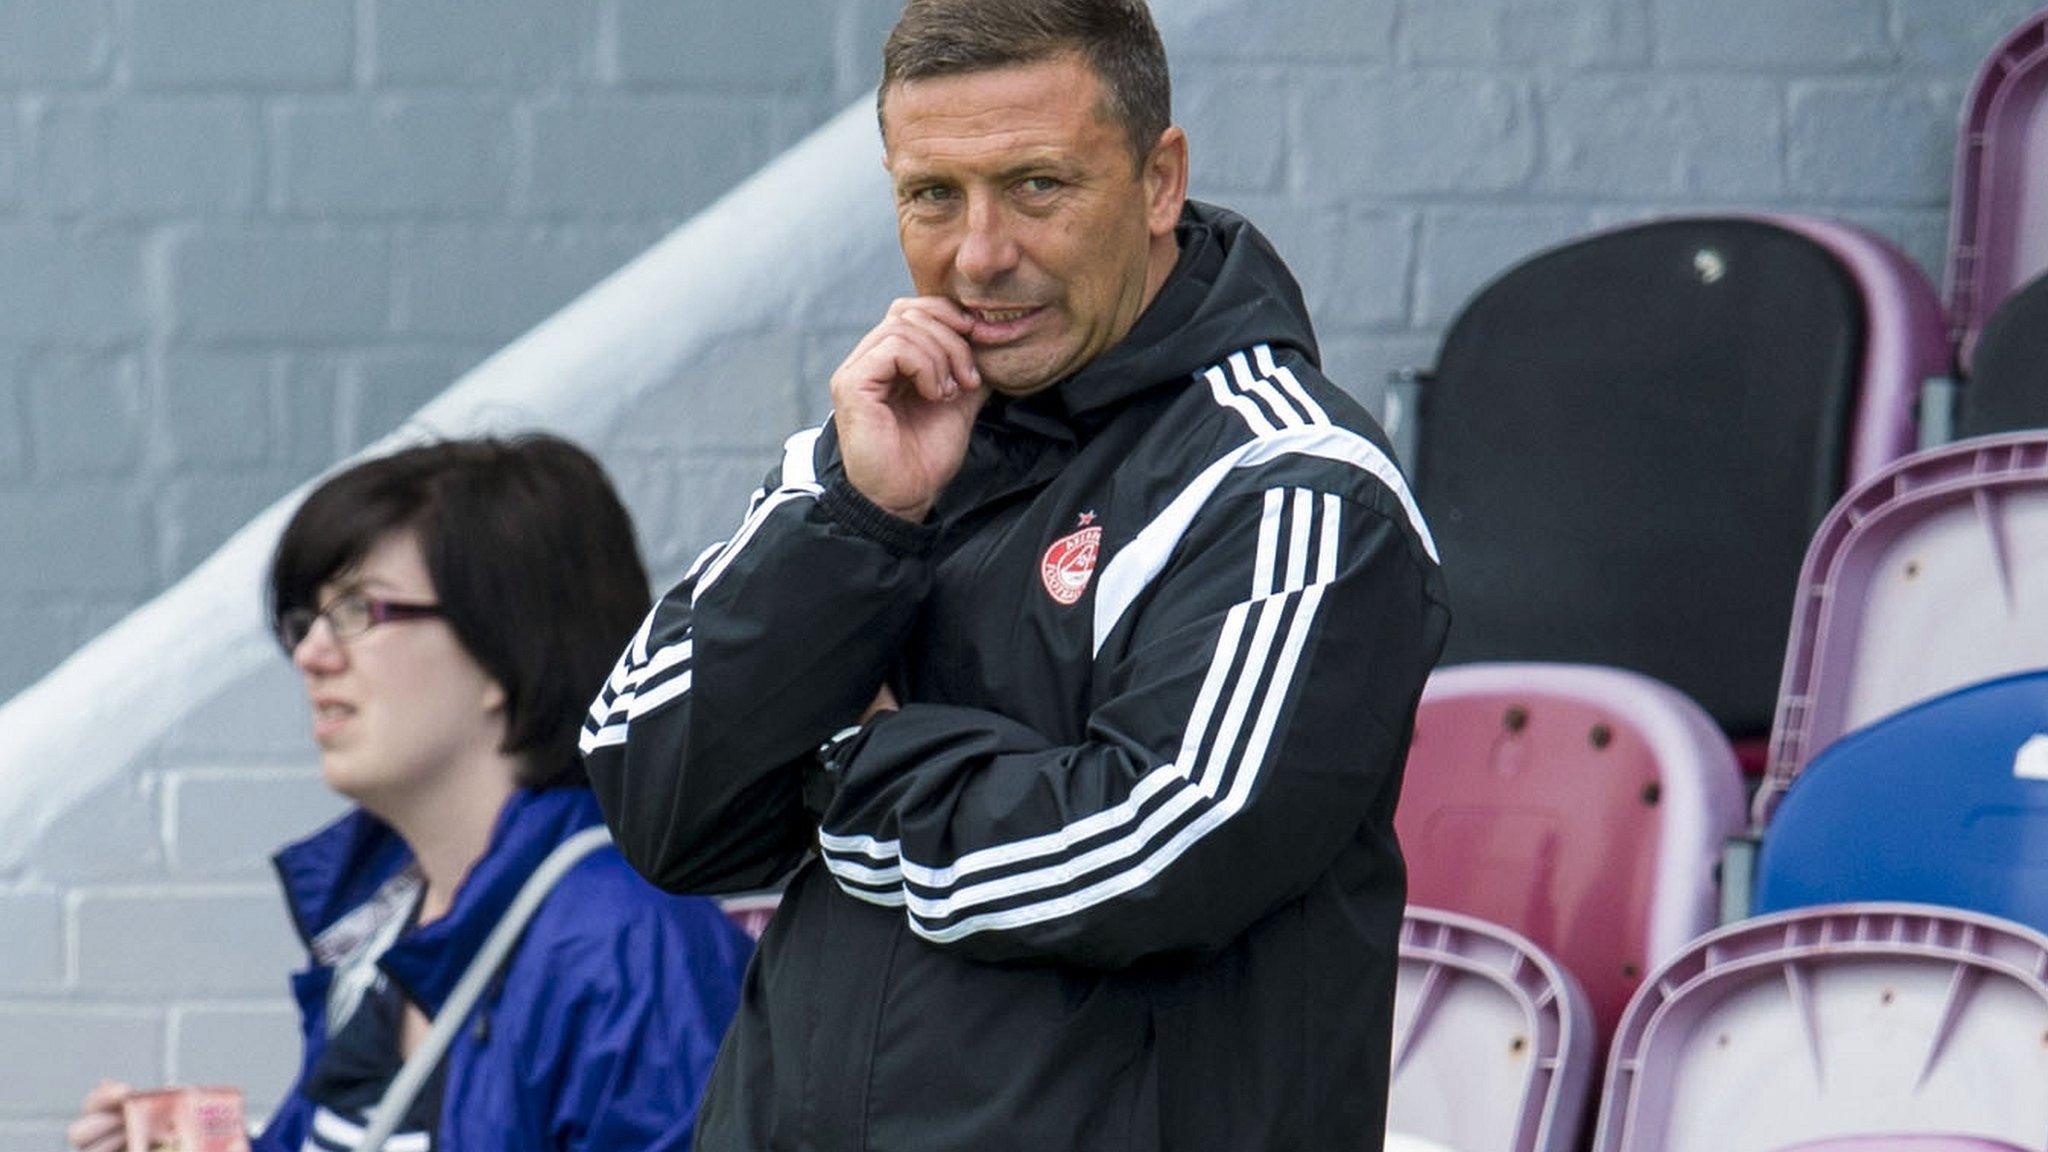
(600, 1030)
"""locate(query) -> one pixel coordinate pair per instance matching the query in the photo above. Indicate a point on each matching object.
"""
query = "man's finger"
(908, 356)
(879, 370)
(941, 308)
(892, 322)
(880, 331)
(949, 315)
(865, 345)
(958, 353)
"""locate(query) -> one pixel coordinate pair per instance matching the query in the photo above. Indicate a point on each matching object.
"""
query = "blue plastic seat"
(1942, 803)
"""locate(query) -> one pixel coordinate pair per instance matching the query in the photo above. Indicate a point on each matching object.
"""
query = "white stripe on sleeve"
(1249, 679)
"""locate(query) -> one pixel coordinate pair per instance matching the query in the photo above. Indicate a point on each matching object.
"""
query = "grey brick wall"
(238, 239)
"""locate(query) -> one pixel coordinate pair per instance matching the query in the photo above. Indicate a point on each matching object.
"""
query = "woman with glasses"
(451, 610)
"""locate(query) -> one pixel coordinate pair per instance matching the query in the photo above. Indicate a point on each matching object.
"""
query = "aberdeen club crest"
(1070, 562)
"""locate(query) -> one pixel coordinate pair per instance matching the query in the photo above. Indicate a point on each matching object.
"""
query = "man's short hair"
(533, 561)
(1116, 37)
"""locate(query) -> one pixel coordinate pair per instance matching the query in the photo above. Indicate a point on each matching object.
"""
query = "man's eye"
(932, 194)
(1039, 185)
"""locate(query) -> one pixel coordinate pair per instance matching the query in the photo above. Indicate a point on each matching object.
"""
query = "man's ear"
(1166, 181)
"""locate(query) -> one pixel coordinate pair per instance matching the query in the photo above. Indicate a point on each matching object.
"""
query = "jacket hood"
(1228, 291)
(336, 869)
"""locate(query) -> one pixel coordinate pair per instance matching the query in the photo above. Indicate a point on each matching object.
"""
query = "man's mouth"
(993, 326)
(1000, 315)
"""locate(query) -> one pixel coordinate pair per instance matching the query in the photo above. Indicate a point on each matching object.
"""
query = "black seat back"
(1630, 440)
(2008, 386)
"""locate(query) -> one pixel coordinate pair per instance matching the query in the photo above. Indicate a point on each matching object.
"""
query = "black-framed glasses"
(348, 616)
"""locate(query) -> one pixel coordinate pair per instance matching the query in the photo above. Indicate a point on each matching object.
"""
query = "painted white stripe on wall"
(744, 265)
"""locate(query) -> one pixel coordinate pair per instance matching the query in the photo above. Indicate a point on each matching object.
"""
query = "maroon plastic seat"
(1584, 808)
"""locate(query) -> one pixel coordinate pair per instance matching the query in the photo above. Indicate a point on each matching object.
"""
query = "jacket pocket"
(1231, 1036)
(984, 1058)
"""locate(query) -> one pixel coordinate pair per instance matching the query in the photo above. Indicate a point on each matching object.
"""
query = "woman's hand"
(99, 1127)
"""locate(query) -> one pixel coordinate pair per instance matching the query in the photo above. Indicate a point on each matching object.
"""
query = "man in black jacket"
(1071, 665)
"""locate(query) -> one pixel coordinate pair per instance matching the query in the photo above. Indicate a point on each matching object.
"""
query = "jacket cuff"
(823, 776)
(844, 503)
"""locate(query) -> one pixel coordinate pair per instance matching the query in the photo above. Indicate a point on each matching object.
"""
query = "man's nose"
(988, 250)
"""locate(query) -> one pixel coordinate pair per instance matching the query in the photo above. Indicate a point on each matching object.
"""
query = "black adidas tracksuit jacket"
(1121, 874)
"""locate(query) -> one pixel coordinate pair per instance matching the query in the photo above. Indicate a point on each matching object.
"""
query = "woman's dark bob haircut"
(532, 558)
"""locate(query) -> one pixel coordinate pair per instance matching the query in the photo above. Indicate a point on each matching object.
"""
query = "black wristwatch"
(821, 780)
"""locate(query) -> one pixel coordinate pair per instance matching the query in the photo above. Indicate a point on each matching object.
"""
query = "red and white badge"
(1070, 562)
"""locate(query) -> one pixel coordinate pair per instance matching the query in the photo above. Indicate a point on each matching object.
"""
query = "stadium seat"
(1916, 1142)
(1930, 576)
(1945, 803)
(1403, 1142)
(1583, 808)
(1905, 342)
(1865, 1023)
(1998, 235)
(1603, 445)
(2008, 386)
(1493, 1042)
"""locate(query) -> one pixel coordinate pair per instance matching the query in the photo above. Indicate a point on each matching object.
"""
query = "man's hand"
(885, 701)
(99, 1126)
(904, 402)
